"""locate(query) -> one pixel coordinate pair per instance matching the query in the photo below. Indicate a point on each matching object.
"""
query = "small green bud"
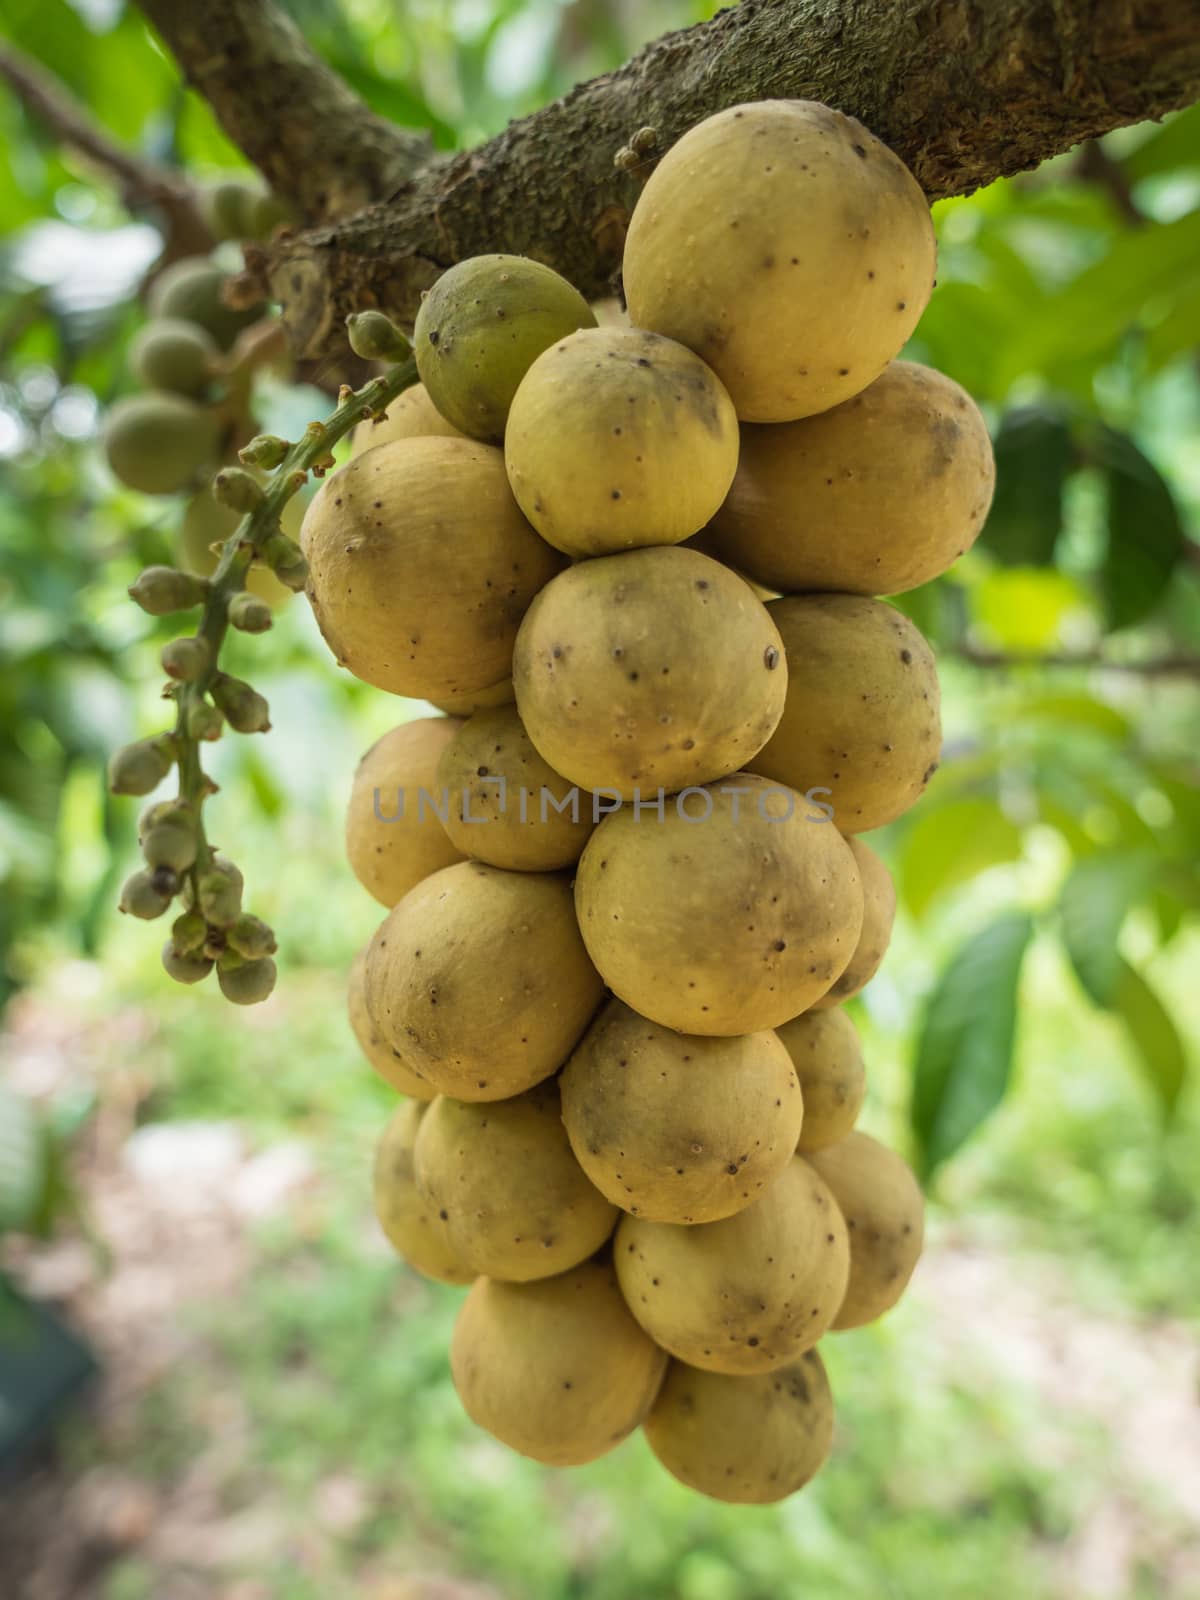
(219, 893)
(204, 721)
(143, 896)
(186, 659)
(375, 337)
(235, 488)
(249, 613)
(245, 709)
(188, 933)
(245, 982)
(158, 812)
(139, 768)
(264, 450)
(170, 844)
(251, 937)
(161, 590)
(183, 966)
(284, 557)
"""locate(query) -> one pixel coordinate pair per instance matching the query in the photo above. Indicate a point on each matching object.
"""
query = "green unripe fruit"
(188, 933)
(246, 982)
(171, 354)
(264, 450)
(144, 895)
(204, 722)
(228, 207)
(170, 844)
(161, 590)
(139, 768)
(184, 967)
(185, 660)
(235, 488)
(157, 443)
(266, 213)
(375, 337)
(251, 938)
(191, 289)
(219, 893)
(482, 326)
(245, 709)
(250, 614)
(284, 557)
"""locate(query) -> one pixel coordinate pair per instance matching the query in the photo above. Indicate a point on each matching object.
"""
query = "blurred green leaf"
(1095, 901)
(22, 1162)
(964, 1052)
(948, 844)
(1154, 1035)
(1081, 711)
(1175, 142)
(1025, 608)
(1033, 450)
(1145, 535)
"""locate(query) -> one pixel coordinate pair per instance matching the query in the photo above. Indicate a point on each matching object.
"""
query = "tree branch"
(1167, 666)
(141, 182)
(963, 90)
(314, 141)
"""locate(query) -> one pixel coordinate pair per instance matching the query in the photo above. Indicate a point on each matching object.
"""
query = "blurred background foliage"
(1029, 1037)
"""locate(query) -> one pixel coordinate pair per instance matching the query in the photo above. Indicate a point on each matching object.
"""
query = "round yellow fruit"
(745, 1295)
(480, 979)
(879, 913)
(411, 415)
(676, 1127)
(862, 718)
(879, 495)
(159, 443)
(884, 1209)
(411, 1228)
(826, 1053)
(206, 522)
(385, 1060)
(649, 670)
(468, 701)
(732, 914)
(619, 438)
(504, 801)
(421, 566)
(500, 1176)
(788, 248)
(557, 1369)
(749, 1441)
(394, 832)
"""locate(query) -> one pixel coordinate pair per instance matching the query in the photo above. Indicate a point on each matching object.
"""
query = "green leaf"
(1174, 143)
(1027, 609)
(1155, 1037)
(22, 1162)
(1095, 901)
(965, 1049)
(1033, 456)
(1074, 710)
(1145, 535)
(948, 844)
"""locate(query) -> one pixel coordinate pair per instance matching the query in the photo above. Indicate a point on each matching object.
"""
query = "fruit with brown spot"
(394, 832)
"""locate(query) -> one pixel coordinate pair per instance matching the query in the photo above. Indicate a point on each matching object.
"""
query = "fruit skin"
(675, 1127)
(884, 1209)
(191, 290)
(618, 438)
(386, 1061)
(879, 495)
(719, 926)
(157, 443)
(745, 1295)
(206, 522)
(513, 1201)
(467, 702)
(557, 1369)
(411, 1229)
(862, 717)
(826, 1053)
(788, 248)
(479, 977)
(411, 415)
(480, 328)
(389, 857)
(748, 1441)
(646, 670)
(879, 913)
(422, 566)
(171, 354)
(490, 749)
(246, 983)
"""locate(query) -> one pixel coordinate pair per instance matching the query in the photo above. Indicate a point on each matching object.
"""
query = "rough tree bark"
(964, 90)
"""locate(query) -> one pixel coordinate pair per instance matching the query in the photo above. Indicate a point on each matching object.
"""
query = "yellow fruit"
(385, 1060)
(747, 1294)
(481, 327)
(411, 415)
(749, 1441)
(879, 495)
(619, 438)
(511, 1197)
(649, 670)
(827, 1056)
(884, 1210)
(676, 1127)
(158, 443)
(557, 1369)
(422, 566)
(879, 912)
(480, 979)
(788, 248)
(192, 290)
(862, 718)
(730, 915)
(468, 701)
(174, 355)
(503, 800)
(394, 837)
(404, 1217)
(206, 522)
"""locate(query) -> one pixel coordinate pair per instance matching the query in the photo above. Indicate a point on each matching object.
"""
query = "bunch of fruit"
(637, 566)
